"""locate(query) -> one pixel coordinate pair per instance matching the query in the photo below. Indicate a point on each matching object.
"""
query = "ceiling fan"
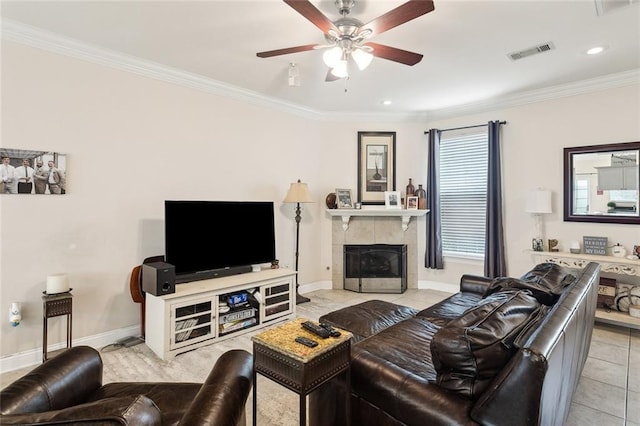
(347, 37)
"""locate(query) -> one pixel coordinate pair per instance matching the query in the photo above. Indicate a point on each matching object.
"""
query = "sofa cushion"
(127, 410)
(546, 282)
(469, 351)
(450, 308)
(368, 318)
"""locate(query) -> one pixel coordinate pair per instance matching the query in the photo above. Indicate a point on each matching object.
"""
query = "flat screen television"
(209, 239)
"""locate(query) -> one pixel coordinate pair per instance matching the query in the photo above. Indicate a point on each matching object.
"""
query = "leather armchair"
(68, 389)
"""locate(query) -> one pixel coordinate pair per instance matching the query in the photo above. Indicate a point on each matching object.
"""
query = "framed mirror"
(601, 183)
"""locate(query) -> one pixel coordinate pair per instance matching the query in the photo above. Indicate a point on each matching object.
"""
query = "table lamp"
(538, 203)
(298, 193)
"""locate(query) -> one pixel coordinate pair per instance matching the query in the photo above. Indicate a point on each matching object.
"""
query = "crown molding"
(611, 81)
(55, 43)
(52, 42)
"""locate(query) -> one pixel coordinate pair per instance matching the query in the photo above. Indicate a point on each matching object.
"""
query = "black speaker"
(158, 278)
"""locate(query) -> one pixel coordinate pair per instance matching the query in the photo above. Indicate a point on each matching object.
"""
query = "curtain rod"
(466, 127)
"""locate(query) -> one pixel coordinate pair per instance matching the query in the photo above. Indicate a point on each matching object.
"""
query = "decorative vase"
(377, 175)
(422, 197)
(619, 251)
(331, 201)
(410, 189)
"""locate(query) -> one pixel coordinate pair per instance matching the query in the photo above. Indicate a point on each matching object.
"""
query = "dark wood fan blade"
(309, 11)
(394, 54)
(286, 51)
(401, 14)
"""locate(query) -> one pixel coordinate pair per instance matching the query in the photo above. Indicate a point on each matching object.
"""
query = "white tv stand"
(189, 318)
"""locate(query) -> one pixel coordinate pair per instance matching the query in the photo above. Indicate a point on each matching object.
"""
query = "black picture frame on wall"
(586, 202)
(376, 166)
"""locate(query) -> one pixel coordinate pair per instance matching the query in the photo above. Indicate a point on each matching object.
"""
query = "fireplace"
(375, 268)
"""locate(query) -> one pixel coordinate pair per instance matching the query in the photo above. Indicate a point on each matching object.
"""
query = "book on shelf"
(236, 325)
(237, 315)
(186, 323)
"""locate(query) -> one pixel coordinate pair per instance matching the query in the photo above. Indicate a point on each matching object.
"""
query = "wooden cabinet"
(191, 317)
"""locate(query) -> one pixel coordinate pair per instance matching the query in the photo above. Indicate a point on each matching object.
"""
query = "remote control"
(316, 329)
(333, 331)
(307, 342)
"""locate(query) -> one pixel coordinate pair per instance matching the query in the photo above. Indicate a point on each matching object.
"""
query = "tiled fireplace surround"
(373, 230)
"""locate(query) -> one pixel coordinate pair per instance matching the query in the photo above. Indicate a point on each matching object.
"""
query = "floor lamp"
(298, 193)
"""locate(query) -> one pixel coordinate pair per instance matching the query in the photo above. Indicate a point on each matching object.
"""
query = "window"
(581, 197)
(463, 192)
(623, 195)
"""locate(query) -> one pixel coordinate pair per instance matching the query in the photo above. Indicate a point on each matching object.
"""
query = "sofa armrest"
(474, 283)
(222, 398)
(63, 381)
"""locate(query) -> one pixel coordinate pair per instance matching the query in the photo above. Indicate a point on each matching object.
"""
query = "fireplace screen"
(375, 268)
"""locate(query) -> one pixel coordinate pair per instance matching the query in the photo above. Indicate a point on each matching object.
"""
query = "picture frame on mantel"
(392, 200)
(343, 198)
(376, 166)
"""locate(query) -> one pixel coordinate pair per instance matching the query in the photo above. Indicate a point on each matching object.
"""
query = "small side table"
(297, 367)
(54, 305)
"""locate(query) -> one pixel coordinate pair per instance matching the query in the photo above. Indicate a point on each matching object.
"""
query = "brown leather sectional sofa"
(68, 390)
(500, 352)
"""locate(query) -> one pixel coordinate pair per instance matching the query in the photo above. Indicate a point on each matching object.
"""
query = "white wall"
(532, 147)
(133, 142)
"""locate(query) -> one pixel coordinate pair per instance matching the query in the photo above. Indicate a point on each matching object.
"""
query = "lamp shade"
(361, 58)
(539, 201)
(57, 283)
(332, 56)
(298, 193)
(341, 70)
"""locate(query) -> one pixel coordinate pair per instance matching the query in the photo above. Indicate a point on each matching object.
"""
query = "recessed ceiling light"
(386, 102)
(596, 49)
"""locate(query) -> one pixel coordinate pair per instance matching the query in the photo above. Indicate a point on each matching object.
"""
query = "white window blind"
(463, 193)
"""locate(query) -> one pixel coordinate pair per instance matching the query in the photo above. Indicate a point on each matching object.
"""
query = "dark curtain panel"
(494, 256)
(433, 255)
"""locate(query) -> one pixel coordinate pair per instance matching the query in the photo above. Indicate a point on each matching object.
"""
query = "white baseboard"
(440, 286)
(318, 285)
(33, 357)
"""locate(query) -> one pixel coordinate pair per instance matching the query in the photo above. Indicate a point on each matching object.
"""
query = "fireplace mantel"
(404, 214)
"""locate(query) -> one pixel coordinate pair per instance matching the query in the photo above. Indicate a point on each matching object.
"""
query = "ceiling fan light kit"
(332, 56)
(362, 58)
(347, 37)
(341, 70)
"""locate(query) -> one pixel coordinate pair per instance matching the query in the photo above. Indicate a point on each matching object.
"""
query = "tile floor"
(609, 390)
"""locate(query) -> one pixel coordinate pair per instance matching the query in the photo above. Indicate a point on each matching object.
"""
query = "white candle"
(57, 283)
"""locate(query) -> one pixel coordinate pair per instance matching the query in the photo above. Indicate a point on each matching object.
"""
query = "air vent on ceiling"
(514, 56)
(606, 6)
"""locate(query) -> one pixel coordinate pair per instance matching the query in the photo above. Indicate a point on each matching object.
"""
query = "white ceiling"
(464, 43)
